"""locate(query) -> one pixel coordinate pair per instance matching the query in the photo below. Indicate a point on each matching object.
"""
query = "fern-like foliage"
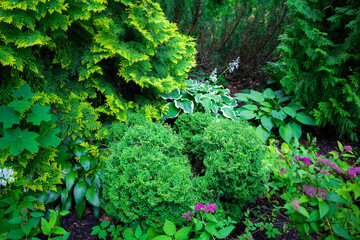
(321, 56)
(76, 54)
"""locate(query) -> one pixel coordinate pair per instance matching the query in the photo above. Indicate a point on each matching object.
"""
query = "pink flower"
(324, 171)
(353, 171)
(283, 171)
(295, 204)
(348, 148)
(305, 160)
(198, 207)
(209, 207)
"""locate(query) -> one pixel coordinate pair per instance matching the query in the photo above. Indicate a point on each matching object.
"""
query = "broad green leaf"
(169, 228)
(304, 119)
(224, 232)
(79, 191)
(341, 231)
(138, 232)
(162, 237)
(8, 116)
(92, 196)
(284, 99)
(173, 112)
(229, 113)
(23, 92)
(38, 114)
(214, 107)
(247, 115)
(59, 230)
(79, 208)
(16, 220)
(293, 106)
(323, 209)
(256, 96)
(280, 115)
(182, 234)
(80, 151)
(206, 103)
(242, 97)
(186, 105)
(269, 94)
(85, 162)
(334, 197)
(279, 93)
(265, 109)
(15, 234)
(266, 104)
(296, 130)
(251, 107)
(70, 179)
(175, 94)
(198, 225)
(341, 147)
(20, 105)
(267, 122)
(45, 227)
(212, 230)
(211, 217)
(304, 212)
(37, 214)
(204, 236)
(289, 111)
(96, 212)
(286, 133)
(53, 196)
(262, 133)
(18, 141)
(48, 137)
(314, 226)
(105, 224)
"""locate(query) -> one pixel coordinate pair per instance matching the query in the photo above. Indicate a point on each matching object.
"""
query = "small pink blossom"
(324, 171)
(348, 148)
(353, 171)
(305, 160)
(295, 204)
(283, 171)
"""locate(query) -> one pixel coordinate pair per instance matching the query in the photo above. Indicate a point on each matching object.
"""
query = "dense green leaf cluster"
(233, 162)
(321, 59)
(147, 177)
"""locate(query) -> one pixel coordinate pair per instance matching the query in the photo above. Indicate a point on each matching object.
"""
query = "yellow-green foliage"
(80, 54)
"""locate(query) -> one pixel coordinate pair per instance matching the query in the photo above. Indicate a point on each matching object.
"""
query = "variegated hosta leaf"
(173, 112)
(186, 105)
(229, 113)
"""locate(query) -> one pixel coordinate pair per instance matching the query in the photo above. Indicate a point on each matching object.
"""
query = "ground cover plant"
(99, 117)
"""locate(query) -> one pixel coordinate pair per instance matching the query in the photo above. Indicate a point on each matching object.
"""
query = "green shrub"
(233, 164)
(147, 177)
(191, 128)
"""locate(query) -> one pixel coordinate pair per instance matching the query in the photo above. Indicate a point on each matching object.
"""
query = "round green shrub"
(147, 178)
(233, 163)
(191, 128)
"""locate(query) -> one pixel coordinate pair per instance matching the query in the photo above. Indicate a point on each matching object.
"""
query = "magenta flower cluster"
(330, 164)
(348, 148)
(353, 171)
(311, 192)
(208, 207)
(305, 160)
(188, 215)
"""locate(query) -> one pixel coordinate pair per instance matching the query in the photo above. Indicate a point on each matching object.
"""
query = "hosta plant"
(321, 194)
(203, 97)
(272, 110)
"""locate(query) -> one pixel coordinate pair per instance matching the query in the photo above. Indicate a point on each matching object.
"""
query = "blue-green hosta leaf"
(265, 109)
(256, 96)
(289, 111)
(20, 105)
(23, 92)
(216, 98)
(296, 130)
(206, 103)
(242, 97)
(279, 93)
(80, 207)
(266, 104)
(286, 133)
(175, 94)
(191, 82)
(38, 114)
(262, 133)
(229, 113)
(48, 137)
(305, 119)
(79, 191)
(251, 107)
(247, 115)
(269, 94)
(173, 112)
(92, 196)
(280, 115)
(70, 179)
(267, 122)
(85, 162)
(8, 116)
(186, 105)
(229, 101)
(18, 141)
(284, 99)
(295, 106)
